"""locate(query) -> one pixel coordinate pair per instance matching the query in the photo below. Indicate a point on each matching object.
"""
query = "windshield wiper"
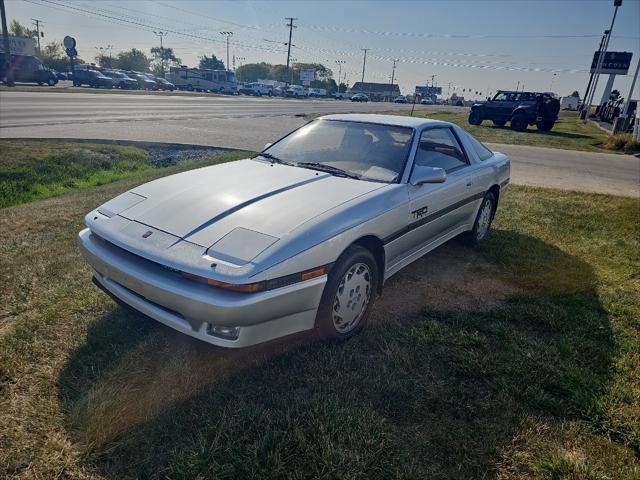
(273, 158)
(323, 167)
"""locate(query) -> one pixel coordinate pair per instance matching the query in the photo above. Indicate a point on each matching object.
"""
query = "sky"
(460, 45)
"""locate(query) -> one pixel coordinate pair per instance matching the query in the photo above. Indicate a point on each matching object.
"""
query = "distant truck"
(199, 79)
(317, 92)
(295, 91)
(257, 89)
(519, 108)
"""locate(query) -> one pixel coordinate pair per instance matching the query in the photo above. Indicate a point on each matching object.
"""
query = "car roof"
(394, 120)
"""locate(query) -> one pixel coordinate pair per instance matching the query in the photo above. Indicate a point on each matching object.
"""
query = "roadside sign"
(615, 63)
(307, 74)
(426, 90)
(69, 42)
(20, 46)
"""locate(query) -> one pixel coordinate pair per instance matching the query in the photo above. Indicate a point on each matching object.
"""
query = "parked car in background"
(120, 79)
(91, 78)
(61, 75)
(518, 108)
(342, 95)
(317, 92)
(256, 89)
(400, 99)
(144, 82)
(426, 101)
(359, 97)
(28, 69)
(295, 91)
(302, 236)
(164, 84)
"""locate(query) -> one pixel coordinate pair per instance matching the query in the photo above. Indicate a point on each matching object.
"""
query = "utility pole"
(291, 27)
(364, 64)
(602, 40)
(340, 62)
(393, 72)
(228, 35)
(161, 35)
(293, 60)
(603, 52)
(432, 82)
(37, 22)
(8, 73)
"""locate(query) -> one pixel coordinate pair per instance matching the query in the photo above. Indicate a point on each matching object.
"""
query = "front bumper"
(192, 308)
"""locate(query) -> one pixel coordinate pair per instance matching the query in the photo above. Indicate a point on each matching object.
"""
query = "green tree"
(342, 87)
(18, 30)
(211, 63)
(133, 59)
(106, 61)
(162, 59)
(251, 72)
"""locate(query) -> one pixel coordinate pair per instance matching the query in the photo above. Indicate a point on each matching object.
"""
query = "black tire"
(354, 257)
(477, 234)
(519, 122)
(499, 123)
(190, 88)
(550, 108)
(51, 82)
(545, 125)
(475, 117)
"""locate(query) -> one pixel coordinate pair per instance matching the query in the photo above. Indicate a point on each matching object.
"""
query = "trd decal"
(421, 212)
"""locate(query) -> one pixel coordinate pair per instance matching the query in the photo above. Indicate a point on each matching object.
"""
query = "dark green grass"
(543, 385)
(33, 170)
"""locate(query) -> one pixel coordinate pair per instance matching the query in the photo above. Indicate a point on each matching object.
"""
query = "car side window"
(439, 148)
(482, 152)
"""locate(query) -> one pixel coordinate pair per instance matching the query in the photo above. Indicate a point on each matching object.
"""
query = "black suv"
(519, 108)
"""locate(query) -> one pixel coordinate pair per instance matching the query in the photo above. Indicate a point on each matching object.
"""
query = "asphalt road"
(249, 123)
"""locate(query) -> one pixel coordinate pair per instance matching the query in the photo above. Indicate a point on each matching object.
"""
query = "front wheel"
(519, 122)
(483, 220)
(348, 296)
(475, 118)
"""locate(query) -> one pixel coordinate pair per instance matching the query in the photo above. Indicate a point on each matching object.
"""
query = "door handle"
(469, 184)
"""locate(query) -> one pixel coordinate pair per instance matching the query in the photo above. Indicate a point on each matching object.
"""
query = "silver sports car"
(301, 236)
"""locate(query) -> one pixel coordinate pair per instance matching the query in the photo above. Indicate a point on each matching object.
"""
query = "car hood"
(204, 205)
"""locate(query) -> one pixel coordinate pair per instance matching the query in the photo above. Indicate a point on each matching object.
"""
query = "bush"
(622, 141)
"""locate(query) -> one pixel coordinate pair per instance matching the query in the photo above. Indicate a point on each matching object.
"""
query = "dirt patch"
(451, 277)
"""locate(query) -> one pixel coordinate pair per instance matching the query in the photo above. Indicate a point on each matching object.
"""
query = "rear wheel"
(348, 296)
(545, 125)
(475, 117)
(519, 122)
(483, 220)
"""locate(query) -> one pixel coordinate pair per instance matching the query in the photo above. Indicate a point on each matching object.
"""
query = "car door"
(436, 209)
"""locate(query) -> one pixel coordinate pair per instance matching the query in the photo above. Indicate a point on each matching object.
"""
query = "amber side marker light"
(260, 286)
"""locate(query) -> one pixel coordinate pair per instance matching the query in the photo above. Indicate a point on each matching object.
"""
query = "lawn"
(516, 360)
(568, 133)
(33, 170)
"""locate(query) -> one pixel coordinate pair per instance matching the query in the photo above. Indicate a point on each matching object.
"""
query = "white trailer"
(569, 103)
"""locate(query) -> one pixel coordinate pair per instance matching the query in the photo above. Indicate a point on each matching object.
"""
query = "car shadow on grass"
(422, 392)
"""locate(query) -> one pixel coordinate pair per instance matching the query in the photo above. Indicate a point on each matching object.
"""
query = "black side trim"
(432, 217)
(505, 183)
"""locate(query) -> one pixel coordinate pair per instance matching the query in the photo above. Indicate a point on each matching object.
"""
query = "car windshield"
(366, 150)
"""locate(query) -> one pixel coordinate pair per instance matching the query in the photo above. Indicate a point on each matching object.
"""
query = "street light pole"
(228, 35)
(8, 80)
(161, 35)
(339, 62)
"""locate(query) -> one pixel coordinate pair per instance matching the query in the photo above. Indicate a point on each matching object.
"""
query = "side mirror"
(427, 175)
(267, 145)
